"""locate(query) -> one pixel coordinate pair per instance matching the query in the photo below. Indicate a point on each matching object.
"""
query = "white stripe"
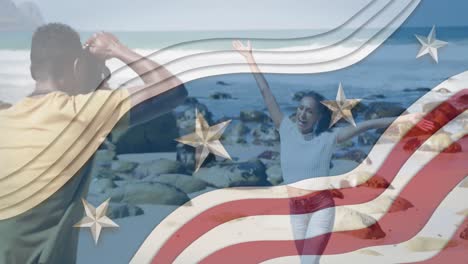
(340, 55)
(258, 228)
(164, 230)
(442, 224)
(183, 214)
(192, 58)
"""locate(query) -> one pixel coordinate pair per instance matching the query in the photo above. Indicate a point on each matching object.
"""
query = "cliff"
(25, 16)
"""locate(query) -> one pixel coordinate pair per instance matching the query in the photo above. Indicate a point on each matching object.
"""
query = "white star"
(430, 45)
(205, 139)
(96, 218)
(341, 107)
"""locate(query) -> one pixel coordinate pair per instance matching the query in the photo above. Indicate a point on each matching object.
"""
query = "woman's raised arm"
(268, 97)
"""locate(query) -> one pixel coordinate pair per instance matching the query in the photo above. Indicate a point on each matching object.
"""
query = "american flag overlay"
(249, 132)
(388, 226)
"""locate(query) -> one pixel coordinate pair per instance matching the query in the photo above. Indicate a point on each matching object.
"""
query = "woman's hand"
(245, 51)
(417, 118)
(104, 45)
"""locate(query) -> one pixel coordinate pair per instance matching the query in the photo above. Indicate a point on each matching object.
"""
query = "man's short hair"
(54, 47)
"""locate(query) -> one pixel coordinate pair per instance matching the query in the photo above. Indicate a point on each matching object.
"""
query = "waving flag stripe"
(276, 227)
(378, 154)
(208, 219)
(236, 209)
(451, 255)
(379, 18)
(443, 226)
(386, 15)
(341, 242)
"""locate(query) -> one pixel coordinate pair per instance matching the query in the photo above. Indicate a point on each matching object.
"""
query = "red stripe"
(425, 191)
(222, 213)
(453, 255)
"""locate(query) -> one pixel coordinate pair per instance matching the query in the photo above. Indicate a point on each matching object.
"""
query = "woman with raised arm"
(306, 151)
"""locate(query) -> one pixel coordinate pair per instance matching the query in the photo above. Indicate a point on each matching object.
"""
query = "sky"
(147, 15)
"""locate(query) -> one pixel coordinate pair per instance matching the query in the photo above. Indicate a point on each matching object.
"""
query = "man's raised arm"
(164, 90)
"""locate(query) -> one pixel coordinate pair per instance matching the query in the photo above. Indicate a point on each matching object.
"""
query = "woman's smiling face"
(307, 114)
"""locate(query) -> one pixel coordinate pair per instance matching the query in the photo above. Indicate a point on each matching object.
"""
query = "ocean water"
(388, 70)
(153, 40)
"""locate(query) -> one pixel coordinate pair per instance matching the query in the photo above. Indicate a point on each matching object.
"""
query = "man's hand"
(104, 45)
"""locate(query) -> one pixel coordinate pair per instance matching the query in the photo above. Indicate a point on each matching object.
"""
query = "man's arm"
(161, 91)
(157, 106)
(157, 79)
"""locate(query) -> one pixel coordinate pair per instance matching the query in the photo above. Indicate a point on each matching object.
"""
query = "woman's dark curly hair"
(325, 115)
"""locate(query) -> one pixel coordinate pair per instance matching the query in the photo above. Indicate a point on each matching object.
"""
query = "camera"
(91, 71)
